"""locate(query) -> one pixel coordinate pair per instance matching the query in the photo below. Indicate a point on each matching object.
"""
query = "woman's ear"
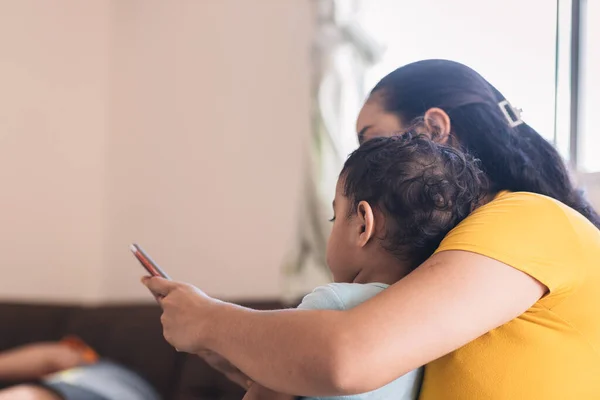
(436, 120)
(366, 223)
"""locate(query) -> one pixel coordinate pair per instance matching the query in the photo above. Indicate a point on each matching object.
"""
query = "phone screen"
(147, 262)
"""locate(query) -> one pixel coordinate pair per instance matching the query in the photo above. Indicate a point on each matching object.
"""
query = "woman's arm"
(450, 300)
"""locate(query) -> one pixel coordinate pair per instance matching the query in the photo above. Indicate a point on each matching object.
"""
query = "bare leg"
(27, 392)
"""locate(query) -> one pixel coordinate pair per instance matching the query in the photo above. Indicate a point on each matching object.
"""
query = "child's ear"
(366, 222)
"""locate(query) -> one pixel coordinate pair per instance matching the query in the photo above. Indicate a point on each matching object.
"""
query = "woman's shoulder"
(524, 201)
(522, 222)
(527, 212)
(530, 232)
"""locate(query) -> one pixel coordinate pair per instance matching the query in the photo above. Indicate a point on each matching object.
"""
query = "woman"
(506, 308)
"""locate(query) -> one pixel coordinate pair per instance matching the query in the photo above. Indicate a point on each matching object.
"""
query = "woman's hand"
(186, 313)
(184, 319)
(36, 360)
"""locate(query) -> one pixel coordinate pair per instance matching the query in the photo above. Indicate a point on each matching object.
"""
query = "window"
(589, 92)
(512, 43)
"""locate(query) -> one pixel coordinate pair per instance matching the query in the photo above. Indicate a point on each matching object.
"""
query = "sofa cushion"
(130, 335)
(25, 323)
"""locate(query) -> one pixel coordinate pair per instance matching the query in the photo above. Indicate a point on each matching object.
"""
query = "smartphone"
(147, 262)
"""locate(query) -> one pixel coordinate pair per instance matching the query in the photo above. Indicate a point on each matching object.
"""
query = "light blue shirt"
(103, 379)
(343, 296)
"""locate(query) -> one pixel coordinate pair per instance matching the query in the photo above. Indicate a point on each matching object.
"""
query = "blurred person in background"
(67, 370)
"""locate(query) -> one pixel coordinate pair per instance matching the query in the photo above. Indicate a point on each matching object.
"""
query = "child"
(396, 199)
(67, 370)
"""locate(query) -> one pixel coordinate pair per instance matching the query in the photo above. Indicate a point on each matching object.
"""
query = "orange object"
(89, 355)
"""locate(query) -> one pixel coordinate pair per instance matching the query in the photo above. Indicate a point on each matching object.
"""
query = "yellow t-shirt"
(552, 351)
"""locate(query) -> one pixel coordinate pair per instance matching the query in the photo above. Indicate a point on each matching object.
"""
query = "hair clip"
(512, 114)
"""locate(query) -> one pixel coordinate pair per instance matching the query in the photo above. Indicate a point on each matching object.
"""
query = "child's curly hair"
(423, 188)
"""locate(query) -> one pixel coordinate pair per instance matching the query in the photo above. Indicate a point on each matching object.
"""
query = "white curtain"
(342, 54)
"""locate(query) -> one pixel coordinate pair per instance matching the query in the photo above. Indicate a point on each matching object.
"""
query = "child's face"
(346, 253)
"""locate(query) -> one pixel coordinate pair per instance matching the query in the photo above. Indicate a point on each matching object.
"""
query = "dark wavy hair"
(514, 158)
(423, 188)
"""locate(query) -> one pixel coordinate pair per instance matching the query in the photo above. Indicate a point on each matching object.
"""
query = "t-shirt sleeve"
(322, 298)
(532, 233)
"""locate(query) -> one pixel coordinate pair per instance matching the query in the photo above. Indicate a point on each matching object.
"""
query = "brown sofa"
(128, 334)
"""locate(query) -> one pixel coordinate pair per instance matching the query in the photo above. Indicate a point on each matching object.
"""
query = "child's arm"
(258, 392)
(255, 391)
(33, 361)
(226, 368)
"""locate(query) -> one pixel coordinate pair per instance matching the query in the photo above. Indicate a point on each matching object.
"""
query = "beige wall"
(53, 130)
(179, 125)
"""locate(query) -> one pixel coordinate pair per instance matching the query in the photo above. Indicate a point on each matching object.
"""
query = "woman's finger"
(159, 287)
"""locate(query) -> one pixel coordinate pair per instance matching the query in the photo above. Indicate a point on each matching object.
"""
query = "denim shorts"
(104, 380)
